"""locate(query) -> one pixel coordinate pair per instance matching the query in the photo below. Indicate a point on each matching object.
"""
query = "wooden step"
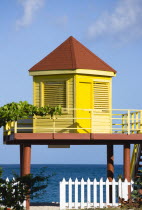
(139, 174)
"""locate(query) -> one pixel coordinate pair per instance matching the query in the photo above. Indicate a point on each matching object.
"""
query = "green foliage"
(14, 111)
(130, 204)
(15, 191)
(0, 172)
(135, 200)
(137, 192)
(120, 176)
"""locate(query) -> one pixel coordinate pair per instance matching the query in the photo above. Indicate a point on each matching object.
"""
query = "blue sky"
(30, 29)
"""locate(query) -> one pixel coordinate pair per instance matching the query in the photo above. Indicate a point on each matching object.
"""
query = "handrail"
(135, 159)
(117, 121)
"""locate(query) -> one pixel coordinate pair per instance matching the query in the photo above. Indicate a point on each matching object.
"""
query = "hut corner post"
(25, 164)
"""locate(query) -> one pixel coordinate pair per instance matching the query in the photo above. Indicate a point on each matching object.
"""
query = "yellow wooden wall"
(100, 121)
(44, 125)
(79, 95)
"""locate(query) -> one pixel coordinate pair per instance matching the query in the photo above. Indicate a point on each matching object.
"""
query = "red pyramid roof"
(71, 54)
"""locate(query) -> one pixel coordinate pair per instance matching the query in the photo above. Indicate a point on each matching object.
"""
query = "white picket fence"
(91, 194)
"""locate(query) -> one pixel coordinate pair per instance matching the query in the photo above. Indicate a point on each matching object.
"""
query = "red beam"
(75, 136)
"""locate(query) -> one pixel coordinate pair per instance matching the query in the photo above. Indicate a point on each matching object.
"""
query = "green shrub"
(15, 191)
(14, 111)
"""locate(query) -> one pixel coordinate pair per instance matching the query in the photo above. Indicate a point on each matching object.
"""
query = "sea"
(60, 171)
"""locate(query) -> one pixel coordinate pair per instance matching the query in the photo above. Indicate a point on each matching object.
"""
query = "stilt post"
(21, 159)
(110, 168)
(25, 164)
(127, 165)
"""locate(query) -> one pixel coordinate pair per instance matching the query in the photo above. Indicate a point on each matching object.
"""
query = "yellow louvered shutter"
(55, 93)
(101, 96)
(37, 94)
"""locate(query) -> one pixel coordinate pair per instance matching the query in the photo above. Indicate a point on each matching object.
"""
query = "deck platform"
(72, 139)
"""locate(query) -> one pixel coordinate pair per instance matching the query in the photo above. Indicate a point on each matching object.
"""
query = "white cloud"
(124, 22)
(30, 7)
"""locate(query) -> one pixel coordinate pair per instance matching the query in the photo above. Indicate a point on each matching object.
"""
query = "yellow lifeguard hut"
(75, 78)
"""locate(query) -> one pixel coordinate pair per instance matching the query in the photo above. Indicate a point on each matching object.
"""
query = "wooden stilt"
(110, 163)
(110, 168)
(26, 159)
(127, 165)
(21, 159)
(26, 163)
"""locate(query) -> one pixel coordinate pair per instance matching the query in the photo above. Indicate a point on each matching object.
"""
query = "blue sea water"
(61, 171)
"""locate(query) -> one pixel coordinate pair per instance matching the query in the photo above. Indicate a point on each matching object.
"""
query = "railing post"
(133, 122)
(137, 122)
(53, 124)
(129, 125)
(15, 127)
(140, 121)
(62, 194)
(91, 121)
(123, 122)
(9, 128)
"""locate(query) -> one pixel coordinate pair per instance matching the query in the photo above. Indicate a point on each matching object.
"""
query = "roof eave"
(73, 71)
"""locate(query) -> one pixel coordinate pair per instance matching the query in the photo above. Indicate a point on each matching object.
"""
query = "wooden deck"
(72, 138)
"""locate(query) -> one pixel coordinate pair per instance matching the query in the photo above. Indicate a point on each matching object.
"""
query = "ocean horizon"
(59, 172)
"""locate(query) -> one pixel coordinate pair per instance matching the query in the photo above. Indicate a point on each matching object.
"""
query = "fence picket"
(82, 193)
(119, 188)
(62, 194)
(88, 193)
(70, 193)
(125, 190)
(113, 192)
(101, 193)
(132, 182)
(122, 193)
(107, 193)
(95, 192)
(7, 180)
(76, 193)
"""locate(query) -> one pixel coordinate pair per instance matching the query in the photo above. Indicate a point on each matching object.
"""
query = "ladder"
(136, 161)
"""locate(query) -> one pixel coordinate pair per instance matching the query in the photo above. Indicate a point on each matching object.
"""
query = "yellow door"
(84, 101)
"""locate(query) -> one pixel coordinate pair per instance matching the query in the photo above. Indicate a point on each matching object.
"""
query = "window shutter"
(37, 94)
(101, 95)
(55, 93)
